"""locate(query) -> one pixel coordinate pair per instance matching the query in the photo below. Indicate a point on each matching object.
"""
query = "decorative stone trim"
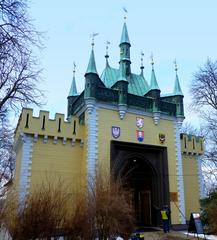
(92, 142)
(156, 117)
(55, 139)
(81, 143)
(179, 170)
(179, 121)
(73, 141)
(200, 177)
(25, 169)
(122, 108)
(64, 140)
(35, 139)
(90, 105)
(45, 138)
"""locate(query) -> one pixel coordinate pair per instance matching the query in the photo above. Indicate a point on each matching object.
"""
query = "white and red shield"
(139, 122)
(116, 132)
(140, 135)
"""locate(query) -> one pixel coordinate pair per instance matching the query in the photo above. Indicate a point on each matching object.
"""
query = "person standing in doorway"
(165, 216)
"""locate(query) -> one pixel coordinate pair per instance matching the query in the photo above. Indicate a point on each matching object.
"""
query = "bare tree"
(7, 158)
(19, 73)
(18, 66)
(204, 96)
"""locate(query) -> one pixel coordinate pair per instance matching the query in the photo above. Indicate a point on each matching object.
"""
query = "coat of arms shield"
(139, 122)
(116, 132)
(140, 135)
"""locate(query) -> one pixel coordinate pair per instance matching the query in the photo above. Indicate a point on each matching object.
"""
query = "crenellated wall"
(192, 150)
(192, 144)
(49, 150)
(43, 125)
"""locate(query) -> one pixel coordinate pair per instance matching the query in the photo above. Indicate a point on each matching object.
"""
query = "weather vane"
(152, 60)
(74, 67)
(125, 15)
(175, 63)
(93, 35)
(142, 55)
(107, 46)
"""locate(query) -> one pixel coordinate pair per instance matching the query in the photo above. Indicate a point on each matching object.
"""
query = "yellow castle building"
(118, 122)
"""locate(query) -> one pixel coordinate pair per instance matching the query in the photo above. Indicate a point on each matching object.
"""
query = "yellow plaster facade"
(59, 149)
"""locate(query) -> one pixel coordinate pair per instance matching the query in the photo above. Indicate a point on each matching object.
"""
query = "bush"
(209, 211)
(110, 212)
(104, 210)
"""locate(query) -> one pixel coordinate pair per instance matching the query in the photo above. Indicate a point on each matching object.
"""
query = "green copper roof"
(177, 88)
(109, 76)
(91, 68)
(122, 72)
(73, 89)
(153, 84)
(137, 83)
(124, 35)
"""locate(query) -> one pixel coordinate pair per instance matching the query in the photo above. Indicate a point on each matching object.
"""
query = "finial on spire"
(74, 67)
(142, 55)
(73, 89)
(93, 35)
(152, 60)
(125, 13)
(176, 67)
(107, 47)
(107, 55)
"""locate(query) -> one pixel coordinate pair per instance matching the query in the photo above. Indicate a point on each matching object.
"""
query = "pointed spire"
(73, 89)
(153, 84)
(177, 88)
(122, 72)
(91, 68)
(124, 35)
(142, 67)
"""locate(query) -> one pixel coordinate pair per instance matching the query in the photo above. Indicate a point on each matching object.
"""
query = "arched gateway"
(144, 171)
(119, 122)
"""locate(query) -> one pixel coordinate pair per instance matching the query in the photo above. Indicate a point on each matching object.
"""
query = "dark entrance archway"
(144, 169)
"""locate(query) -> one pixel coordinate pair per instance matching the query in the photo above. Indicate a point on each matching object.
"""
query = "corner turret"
(177, 92)
(73, 94)
(92, 79)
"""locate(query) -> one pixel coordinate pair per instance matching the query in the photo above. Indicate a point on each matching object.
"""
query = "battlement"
(191, 144)
(44, 126)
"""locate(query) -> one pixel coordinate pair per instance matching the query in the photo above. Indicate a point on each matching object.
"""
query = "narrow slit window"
(59, 125)
(74, 128)
(43, 123)
(201, 145)
(185, 142)
(193, 144)
(27, 121)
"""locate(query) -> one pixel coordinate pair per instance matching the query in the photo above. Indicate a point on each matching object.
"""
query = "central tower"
(125, 50)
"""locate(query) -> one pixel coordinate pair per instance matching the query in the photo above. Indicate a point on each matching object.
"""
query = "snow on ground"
(209, 237)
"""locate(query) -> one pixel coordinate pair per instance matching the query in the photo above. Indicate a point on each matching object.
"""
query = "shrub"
(209, 213)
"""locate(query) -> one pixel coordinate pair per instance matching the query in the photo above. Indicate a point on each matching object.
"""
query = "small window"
(43, 123)
(74, 128)
(185, 142)
(201, 145)
(59, 125)
(193, 144)
(27, 120)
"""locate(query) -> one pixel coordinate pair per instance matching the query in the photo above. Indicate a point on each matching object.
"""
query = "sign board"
(195, 224)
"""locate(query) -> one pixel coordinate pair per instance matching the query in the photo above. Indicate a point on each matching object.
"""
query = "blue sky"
(185, 30)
